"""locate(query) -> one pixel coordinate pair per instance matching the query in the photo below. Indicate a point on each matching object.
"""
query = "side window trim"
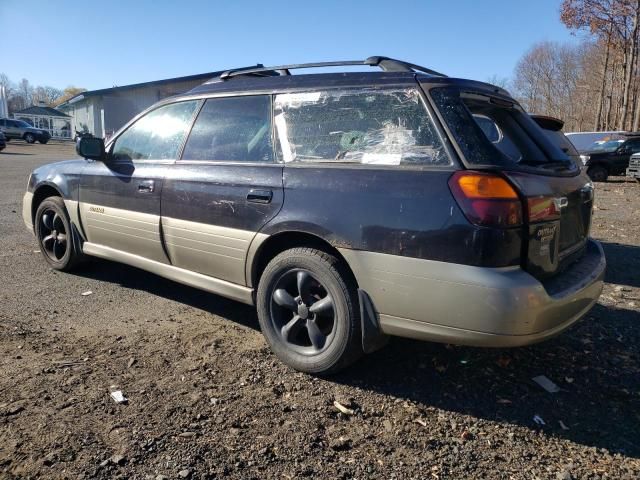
(192, 122)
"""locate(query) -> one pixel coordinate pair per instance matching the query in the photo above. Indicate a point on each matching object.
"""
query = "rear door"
(120, 198)
(12, 129)
(224, 189)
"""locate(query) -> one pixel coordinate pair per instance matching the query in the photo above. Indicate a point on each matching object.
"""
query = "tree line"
(594, 85)
(22, 94)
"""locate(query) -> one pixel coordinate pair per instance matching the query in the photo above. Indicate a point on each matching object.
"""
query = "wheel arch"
(281, 241)
(42, 191)
(602, 164)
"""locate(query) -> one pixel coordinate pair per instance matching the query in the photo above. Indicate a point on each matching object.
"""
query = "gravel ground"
(207, 399)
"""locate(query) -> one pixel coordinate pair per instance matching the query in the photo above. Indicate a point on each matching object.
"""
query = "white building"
(103, 112)
(46, 118)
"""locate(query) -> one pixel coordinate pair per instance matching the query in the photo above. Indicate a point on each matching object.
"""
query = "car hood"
(597, 153)
(49, 170)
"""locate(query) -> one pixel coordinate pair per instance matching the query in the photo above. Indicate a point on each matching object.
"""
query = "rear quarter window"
(362, 127)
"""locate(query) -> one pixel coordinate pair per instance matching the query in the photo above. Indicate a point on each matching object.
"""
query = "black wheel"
(308, 311)
(29, 137)
(43, 142)
(55, 236)
(598, 173)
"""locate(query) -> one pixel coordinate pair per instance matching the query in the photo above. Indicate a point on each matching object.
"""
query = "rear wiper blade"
(546, 164)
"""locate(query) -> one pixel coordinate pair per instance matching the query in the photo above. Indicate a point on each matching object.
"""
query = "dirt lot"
(207, 399)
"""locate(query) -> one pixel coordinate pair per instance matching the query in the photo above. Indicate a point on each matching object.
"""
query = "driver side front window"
(157, 135)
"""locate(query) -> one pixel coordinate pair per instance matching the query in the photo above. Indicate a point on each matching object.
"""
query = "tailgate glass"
(494, 131)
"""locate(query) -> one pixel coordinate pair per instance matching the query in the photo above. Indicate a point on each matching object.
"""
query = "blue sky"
(99, 44)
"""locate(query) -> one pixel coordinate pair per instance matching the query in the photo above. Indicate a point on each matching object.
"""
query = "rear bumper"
(467, 305)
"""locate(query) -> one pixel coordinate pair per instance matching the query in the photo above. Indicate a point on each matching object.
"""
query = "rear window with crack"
(366, 127)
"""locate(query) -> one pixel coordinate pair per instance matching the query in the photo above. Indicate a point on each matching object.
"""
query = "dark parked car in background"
(611, 157)
(346, 207)
(18, 129)
(3, 141)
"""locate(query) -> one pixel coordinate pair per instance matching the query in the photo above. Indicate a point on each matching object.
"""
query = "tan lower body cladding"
(463, 304)
(205, 256)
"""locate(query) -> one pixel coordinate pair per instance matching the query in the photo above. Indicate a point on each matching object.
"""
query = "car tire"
(308, 311)
(43, 142)
(56, 238)
(29, 137)
(598, 173)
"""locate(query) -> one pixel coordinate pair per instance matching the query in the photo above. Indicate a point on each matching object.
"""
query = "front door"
(224, 189)
(120, 198)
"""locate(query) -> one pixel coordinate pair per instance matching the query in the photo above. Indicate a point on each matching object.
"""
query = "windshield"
(22, 124)
(493, 131)
(608, 146)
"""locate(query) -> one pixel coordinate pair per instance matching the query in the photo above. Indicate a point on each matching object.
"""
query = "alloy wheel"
(303, 312)
(53, 235)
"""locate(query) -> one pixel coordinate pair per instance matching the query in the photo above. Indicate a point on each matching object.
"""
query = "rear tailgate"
(492, 132)
(553, 244)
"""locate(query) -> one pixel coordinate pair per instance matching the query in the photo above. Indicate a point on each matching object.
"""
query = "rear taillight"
(486, 199)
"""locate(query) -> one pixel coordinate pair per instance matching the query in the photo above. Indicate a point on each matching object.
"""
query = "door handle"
(146, 186)
(259, 196)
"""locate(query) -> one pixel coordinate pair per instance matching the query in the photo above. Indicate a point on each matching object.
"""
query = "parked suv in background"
(346, 207)
(611, 157)
(634, 167)
(18, 129)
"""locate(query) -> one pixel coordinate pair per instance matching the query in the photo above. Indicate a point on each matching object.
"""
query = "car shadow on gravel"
(134, 278)
(623, 263)
(596, 364)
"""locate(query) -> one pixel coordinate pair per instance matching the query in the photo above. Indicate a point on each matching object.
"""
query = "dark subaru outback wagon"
(346, 207)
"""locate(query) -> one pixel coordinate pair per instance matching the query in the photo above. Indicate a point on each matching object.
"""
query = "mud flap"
(372, 337)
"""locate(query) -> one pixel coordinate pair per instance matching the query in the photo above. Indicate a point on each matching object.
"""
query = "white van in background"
(583, 140)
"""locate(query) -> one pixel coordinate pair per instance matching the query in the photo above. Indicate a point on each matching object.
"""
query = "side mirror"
(91, 148)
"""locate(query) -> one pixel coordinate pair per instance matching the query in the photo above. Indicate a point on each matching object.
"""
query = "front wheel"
(598, 173)
(308, 311)
(29, 137)
(55, 235)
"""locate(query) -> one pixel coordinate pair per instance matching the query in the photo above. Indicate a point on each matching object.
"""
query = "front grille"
(634, 162)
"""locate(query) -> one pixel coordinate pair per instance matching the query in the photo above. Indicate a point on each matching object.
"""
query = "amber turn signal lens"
(480, 185)
(486, 199)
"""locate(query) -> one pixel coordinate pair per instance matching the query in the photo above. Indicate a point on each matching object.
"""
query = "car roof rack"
(386, 64)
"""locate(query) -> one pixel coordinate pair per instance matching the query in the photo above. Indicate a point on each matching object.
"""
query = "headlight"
(585, 159)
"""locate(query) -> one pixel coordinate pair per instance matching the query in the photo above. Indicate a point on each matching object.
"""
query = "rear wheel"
(43, 142)
(308, 311)
(55, 235)
(598, 173)
(29, 137)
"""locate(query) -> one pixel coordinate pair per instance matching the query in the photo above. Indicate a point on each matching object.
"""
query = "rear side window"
(157, 135)
(236, 129)
(494, 132)
(369, 127)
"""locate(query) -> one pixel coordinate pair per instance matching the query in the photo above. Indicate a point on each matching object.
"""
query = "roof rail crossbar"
(384, 63)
